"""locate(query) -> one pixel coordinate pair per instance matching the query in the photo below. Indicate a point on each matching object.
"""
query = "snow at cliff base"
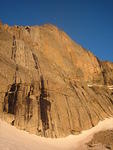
(14, 139)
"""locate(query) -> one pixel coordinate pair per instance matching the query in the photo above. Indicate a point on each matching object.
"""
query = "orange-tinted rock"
(44, 78)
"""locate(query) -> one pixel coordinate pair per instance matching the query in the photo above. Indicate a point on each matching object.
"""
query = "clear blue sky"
(89, 22)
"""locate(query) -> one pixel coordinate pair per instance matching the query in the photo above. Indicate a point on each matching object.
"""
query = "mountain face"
(50, 85)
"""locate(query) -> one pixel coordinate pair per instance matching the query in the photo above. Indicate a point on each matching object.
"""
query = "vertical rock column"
(14, 48)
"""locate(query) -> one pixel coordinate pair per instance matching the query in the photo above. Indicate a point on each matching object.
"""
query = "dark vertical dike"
(45, 106)
(14, 48)
(29, 104)
(10, 99)
(35, 60)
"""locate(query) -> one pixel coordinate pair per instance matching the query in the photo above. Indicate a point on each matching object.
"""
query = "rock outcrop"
(101, 141)
(50, 85)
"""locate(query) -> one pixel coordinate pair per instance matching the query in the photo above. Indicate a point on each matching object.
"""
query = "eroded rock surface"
(101, 141)
(44, 78)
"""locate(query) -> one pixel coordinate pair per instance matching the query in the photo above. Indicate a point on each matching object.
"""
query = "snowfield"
(14, 139)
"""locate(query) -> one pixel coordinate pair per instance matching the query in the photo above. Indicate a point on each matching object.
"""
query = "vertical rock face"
(49, 85)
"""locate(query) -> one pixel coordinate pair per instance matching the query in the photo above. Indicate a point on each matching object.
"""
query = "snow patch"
(14, 139)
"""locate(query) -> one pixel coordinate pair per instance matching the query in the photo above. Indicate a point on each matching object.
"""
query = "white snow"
(14, 139)
(99, 85)
(110, 87)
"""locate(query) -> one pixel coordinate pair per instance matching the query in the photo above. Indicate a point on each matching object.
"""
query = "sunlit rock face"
(50, 85)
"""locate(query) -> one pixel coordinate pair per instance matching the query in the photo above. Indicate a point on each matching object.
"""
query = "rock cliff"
(50, 85)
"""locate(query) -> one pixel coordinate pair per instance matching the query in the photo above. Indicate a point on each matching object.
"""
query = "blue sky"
(88, 22)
